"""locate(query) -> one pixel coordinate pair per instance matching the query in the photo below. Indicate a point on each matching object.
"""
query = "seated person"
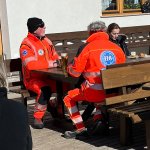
(95, 56)
(114, 35)
(38, 52)
(15, 132)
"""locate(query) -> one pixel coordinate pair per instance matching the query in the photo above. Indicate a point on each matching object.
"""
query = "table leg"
(60, 107)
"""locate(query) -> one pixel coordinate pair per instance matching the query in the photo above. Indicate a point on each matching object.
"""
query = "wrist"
(55, 64)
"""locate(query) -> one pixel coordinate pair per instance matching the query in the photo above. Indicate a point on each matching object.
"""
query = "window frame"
(121, 11)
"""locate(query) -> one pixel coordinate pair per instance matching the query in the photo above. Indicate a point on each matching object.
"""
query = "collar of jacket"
(120, 39)
(98, 36)
(33, 37)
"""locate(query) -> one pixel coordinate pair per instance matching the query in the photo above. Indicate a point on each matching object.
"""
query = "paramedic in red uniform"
(37, 52)
(97, 53)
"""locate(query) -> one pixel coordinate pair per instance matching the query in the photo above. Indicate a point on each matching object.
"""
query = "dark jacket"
(14, 129)
(121, 42)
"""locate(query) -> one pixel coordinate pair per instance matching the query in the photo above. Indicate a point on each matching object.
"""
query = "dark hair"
(111, 27)
(34, 23)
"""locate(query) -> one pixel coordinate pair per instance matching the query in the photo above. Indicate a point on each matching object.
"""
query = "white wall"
(127, 21)
(58, 15)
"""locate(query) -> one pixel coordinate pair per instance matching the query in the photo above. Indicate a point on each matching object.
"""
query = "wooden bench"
(138, 39)
(14, 78)
(132, 101)
(69, 42)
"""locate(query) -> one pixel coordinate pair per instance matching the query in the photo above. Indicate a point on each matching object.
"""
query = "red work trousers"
(76, 95)
(35, 85)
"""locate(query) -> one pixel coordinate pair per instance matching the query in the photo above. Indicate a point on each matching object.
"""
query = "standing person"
(115, 37)
(95, 56)
(38, 52)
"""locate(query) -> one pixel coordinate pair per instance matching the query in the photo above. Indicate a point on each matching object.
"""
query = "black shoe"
(38, 124)
(100, 128)
(76, 134)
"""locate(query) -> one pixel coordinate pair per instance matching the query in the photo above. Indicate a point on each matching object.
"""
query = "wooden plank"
(134, 35)
(68, 35)
(138, 108)
(135, 106)
(146, 86)
(127, 97)
(135, 29)
(128, 75)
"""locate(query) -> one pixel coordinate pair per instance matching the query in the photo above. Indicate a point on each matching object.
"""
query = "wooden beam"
(127, 97)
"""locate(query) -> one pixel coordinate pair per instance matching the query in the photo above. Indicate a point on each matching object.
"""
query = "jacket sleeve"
(52, 52)
(55, 55)
(76, 68)
(123, 45)
(29, 58)
(81, 48)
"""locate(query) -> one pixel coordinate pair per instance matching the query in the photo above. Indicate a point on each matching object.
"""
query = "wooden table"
(57, 75)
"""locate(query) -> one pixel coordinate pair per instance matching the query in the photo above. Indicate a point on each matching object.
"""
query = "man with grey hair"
(96, 27)
(95, 55)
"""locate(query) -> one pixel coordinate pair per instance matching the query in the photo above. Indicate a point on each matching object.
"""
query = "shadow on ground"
(111, 141)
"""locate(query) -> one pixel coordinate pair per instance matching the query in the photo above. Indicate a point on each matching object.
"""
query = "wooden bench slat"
(140, 110)
(129, 75)
(135, 106)
(127, 97)
(128, 79)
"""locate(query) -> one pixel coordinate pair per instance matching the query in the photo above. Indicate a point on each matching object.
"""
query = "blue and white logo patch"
(107, 58)
(40, 52)
(25, 52)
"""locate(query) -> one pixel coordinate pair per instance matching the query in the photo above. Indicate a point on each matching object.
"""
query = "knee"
(67, 100)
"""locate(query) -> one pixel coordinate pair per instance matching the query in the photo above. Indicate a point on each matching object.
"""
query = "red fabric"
(36, 85)
(97, 117)
(79, 95)
(80, 126)
(39, 114)
(76, 95)
(90, 61)
(37, 54)
(30, 48)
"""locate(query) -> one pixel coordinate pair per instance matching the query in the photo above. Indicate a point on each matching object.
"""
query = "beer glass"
(64, 62)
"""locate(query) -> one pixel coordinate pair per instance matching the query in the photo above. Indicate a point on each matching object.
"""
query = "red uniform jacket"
(36, 54)
(96, 55)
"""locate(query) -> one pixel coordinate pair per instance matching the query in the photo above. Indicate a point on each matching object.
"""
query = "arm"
(123, 45)
(52, 53)
(76, 68)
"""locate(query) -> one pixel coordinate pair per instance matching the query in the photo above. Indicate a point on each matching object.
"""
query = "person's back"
(15, 133)
(102, 52)
(95, 56)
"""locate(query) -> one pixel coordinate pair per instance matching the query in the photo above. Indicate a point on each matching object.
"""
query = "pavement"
(51, 137)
